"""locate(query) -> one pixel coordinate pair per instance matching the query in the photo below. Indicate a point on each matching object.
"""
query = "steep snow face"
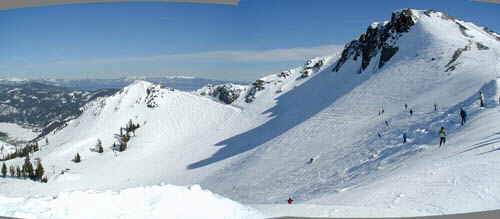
(322, 137)
(164, 201)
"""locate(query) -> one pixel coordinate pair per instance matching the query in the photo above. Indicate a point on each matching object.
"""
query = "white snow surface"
(259, 152)
(17, 132)
(155, 202)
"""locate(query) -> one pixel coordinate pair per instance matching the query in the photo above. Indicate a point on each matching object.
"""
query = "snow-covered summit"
(382, 41)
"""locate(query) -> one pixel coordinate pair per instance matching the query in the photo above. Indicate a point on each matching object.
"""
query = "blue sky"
(244, 42)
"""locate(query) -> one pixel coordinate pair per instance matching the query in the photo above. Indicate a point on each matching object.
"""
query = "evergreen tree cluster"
(97, 147)
(23, 152)
(124, 137)
(27, 171)
(77, 158)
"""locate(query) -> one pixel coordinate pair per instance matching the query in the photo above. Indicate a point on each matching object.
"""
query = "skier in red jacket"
(290, 200)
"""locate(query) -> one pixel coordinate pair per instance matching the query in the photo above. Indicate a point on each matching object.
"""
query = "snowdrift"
(163, 202)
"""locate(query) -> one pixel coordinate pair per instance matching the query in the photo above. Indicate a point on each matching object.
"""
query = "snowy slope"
(257, 148)
(334, 116)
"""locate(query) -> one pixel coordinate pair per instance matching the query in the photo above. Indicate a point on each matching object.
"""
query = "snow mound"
(164, 201)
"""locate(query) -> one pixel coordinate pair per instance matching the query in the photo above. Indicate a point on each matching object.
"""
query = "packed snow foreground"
(155, 202)
(315, 133)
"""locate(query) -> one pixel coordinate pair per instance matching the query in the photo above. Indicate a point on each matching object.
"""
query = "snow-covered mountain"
(314, 133)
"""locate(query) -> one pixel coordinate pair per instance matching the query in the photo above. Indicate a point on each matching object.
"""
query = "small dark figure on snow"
(379, 135)
(290, 200)
(481, 99)
(381, 111)
(411, 112)
(435, 107)
(463, 116)
(386, 123)
(404, 137)
(406, 106)
(311, 160)
(442, 135)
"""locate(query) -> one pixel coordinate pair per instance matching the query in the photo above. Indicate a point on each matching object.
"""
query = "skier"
(435, 107)
(463, 116)
(406, 106)
(442, 135)
(311, 160)
(379, 135)
(481, 99)
(386, 123)
(290, 200)
(404, 137)
(411, 112)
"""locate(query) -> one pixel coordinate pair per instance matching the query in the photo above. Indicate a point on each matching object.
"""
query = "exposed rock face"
(481, 46)
(151, 95)
(452, 64)
(378, 38)
(257, 86)
(226, 93)
(492, 33)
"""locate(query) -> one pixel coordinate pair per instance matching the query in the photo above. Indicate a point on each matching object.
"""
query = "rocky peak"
(378, 38)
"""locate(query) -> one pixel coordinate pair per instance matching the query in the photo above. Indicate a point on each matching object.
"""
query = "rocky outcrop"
(452, 63)
(378, 38)
(151, 95)
(226, 93)
(258, 85)
(492, 33)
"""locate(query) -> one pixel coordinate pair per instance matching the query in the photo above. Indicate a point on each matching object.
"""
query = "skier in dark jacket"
(481, 99)
(442, 135)
(411, 112)
(404, 137)
(463, 116)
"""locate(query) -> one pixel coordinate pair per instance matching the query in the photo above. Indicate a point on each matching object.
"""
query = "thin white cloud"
(274, 55)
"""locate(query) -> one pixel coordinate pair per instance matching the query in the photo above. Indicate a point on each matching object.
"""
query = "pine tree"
(36, 147)
(17, 171)
(99, 147)
(77, 158)
(39, 171)
(4, 170)
(12, 171)
(28, 168)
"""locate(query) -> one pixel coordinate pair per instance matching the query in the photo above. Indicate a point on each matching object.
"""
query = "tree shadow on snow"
(292, 108)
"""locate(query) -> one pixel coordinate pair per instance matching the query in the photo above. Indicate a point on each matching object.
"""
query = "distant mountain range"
(184, 83)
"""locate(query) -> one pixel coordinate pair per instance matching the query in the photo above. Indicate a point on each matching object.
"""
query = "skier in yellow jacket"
(442, 134)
